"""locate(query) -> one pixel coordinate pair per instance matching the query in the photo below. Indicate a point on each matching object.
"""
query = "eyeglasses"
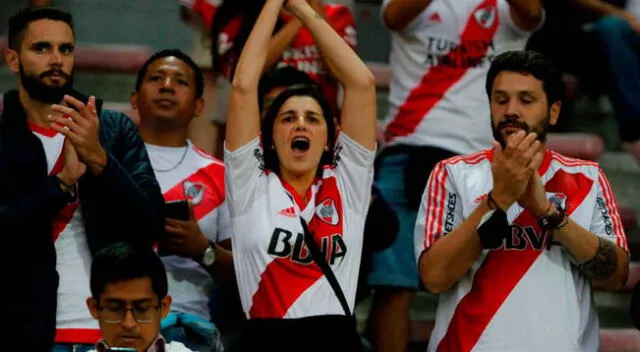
(115, 315)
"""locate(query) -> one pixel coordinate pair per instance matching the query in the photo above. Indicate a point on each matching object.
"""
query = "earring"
(326, 148)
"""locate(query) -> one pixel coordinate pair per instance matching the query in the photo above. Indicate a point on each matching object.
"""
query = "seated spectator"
(129, 298)
(619, 33)
(195, 250)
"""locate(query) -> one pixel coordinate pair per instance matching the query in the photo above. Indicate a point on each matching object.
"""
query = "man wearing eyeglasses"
(129, 299)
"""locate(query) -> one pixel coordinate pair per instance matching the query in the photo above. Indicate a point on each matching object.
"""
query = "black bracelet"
(494, 229)
(60, 181)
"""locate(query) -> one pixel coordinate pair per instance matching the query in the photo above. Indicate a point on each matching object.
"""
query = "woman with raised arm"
(298, 193)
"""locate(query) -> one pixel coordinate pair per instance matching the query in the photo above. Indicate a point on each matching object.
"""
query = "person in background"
(618, 29)
(129, 299)
(291, 45)
(73, 175)
(198, 14)
(440, 54)
(167, 97)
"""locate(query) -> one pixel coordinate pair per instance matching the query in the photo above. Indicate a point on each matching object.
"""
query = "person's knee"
(396, 297)
(611, 27)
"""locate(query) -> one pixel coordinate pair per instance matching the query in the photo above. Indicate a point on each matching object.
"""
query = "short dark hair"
(528, 62)
(127, 261)
(271, 160)
(197, 72)
(286, 76)
(21, 20)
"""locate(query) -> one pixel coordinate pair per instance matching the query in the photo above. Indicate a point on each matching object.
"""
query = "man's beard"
(42, 92)
(513, 122)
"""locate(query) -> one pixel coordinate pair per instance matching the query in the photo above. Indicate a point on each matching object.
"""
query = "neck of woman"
(299, 182)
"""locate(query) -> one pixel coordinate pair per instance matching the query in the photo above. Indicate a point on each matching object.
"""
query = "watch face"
(209, 256)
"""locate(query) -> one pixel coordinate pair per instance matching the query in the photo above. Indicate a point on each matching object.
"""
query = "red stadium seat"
(111, 58)
(577, 145)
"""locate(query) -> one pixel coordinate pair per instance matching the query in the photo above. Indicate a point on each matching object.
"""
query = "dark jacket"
(123, 203)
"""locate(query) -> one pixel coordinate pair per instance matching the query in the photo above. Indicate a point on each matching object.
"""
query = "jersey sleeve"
(440, 210)
(224, 222)
(354, 170)
(244, 177)
(504, 12)
(606, 222)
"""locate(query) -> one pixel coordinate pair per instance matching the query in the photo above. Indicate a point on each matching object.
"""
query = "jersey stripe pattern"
(276, 275)
(74, 324)
(189, 173)
(529, 275)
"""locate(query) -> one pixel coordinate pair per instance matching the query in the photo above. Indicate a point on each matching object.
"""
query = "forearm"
(280, 42)
(254, 54)
(604, 263)
(344, 62)
(399, 13)
(598, 7)
(222, 271)
(452, 256)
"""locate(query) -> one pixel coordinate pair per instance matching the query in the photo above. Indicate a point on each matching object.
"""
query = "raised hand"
(512, 167)
(80, 124)
(534, 197)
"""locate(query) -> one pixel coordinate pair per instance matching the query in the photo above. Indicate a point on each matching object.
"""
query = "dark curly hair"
(271, 160)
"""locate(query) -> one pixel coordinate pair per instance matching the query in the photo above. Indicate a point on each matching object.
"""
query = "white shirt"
(526, 295)
(73, 258)
(276, 275)
(439, 64)
(190, 173)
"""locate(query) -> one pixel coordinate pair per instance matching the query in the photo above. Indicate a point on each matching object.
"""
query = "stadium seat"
(616, 340)
(111, 57)
(634, 276)
(577, 145)
(381, 72)
(3, 45)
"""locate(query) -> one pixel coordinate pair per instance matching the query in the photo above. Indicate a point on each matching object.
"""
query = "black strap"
(317, 256)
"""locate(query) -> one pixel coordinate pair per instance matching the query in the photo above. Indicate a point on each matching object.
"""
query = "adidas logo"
(288, 212)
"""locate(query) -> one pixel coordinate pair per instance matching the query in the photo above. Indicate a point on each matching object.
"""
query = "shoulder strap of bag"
(317, 256)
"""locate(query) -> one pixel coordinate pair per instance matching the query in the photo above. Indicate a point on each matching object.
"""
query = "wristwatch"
(551, 221)
(209, 255)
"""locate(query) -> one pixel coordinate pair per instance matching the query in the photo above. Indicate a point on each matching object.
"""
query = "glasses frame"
(124, 315)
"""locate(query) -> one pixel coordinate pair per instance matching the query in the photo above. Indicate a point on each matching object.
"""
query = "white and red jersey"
(438, 65)
(276, 275)
(189, 173)
(303, 53)
(74, 323)
(527, 294)
(205, 9)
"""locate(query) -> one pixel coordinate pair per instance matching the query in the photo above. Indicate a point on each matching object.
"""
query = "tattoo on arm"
(318, 16)
(603, 264)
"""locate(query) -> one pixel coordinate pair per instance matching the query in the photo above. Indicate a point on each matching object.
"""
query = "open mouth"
(165, 102)
(299, 145)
